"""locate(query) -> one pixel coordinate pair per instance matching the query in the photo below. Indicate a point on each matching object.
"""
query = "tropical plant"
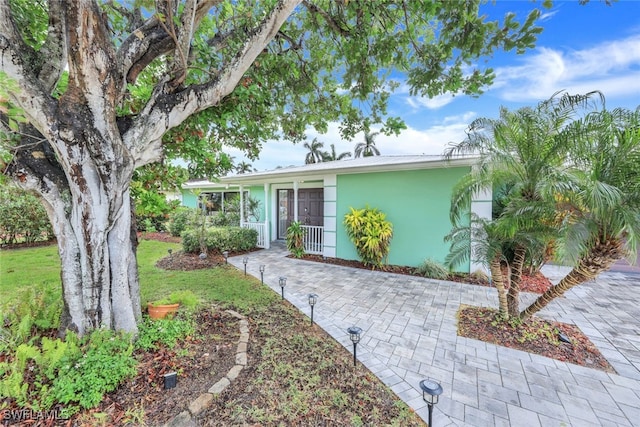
(573, 180)
(329, 156)
(93, 90)
(371, 233)
(315, 154)
(523, 158)
(368, 147)
(432, 270)
(603, 224)
(295, 239)
(244, 167)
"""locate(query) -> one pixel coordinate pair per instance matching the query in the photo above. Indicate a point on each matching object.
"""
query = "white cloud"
(430, 103)
(612, 67)
(430, 141)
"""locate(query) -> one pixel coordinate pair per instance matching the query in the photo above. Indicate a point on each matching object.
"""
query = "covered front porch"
(309, 202)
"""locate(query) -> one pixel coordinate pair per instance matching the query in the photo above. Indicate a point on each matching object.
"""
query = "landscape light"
(431, 391)
(313, 298)
(283, 283)
(354, 333)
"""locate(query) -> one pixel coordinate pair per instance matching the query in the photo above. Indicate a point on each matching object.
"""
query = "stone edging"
(184, 418)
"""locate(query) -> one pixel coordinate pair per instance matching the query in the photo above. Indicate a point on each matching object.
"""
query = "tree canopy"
(92, 90)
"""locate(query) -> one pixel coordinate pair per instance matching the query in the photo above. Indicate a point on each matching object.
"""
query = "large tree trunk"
(97, 247)
(603, 255)
(513, 296)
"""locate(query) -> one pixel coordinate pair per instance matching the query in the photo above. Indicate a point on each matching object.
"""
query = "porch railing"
(313, 242)
(261, 228)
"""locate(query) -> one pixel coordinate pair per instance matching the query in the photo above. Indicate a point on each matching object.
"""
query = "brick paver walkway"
(409, 334)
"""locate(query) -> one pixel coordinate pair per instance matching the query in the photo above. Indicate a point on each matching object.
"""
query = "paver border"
(202, 402)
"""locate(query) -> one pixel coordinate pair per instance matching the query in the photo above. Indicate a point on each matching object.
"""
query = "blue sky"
(582, 48)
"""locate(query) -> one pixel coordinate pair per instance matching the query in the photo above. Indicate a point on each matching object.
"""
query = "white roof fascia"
(342, 167)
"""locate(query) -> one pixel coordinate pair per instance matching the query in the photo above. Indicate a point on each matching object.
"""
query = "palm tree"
(368, 147)
(522, 155)
(332, 155)
(244, 167)
(315, 151)
(605, 219)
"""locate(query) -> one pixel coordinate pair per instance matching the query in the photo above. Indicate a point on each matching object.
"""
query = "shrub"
(225, 219)
(181, 219)
(433, 270)
(295, 239)
(153, 210)
(218, 239)
(371, 234)
(22, 217)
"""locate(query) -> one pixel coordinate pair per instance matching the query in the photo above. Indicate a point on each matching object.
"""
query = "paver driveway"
(409, 334)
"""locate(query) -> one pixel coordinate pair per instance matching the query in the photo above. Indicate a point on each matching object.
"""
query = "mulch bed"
(536, 283)
(536, 336)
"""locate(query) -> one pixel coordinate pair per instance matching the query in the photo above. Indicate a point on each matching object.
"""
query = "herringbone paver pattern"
(409, 333)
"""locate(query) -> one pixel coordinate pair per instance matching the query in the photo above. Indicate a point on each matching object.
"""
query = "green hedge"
(233, 239)
(22, 217)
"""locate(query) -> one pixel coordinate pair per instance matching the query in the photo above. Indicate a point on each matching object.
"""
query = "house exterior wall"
(189, 199)
(257, 193)
(416, 202)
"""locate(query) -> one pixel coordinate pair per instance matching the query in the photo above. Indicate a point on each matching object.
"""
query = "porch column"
(241, 205)
(267, 229)
(481, 205)
(330, 220)
(295, 201)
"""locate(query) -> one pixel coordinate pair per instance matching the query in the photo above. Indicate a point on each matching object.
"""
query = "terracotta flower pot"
(161, 311)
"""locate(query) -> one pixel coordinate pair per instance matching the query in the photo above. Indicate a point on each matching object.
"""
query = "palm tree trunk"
(513, 297)
(603, 255)
(498, 280)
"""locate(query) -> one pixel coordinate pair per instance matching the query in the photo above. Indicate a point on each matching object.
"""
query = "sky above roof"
(581, 48)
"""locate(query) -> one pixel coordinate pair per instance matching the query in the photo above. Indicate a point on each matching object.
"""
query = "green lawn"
(22, 268)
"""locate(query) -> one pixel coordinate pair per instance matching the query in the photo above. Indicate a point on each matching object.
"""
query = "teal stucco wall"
(189, 199)
(257, 193)
(417, 204)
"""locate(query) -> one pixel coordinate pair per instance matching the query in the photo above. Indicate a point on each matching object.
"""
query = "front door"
(310, 208)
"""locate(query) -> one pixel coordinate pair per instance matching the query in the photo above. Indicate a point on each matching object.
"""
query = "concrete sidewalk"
(409, 334)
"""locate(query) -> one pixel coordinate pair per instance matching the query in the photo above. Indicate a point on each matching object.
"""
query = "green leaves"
(371, 234)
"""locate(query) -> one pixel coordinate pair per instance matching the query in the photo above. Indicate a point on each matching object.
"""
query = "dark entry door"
(310, 208)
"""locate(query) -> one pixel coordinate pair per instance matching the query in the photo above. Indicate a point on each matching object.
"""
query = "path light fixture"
(283, 283)
(431, 391)
(170, 251)
(245, 260)
(262, 266)
(313, 298)
(170, 380)
(225, 254)
(354, 333)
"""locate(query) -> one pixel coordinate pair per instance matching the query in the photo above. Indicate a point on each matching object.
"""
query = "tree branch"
(53, 52)
(166, 110)
(150, 41)
(34, 101)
